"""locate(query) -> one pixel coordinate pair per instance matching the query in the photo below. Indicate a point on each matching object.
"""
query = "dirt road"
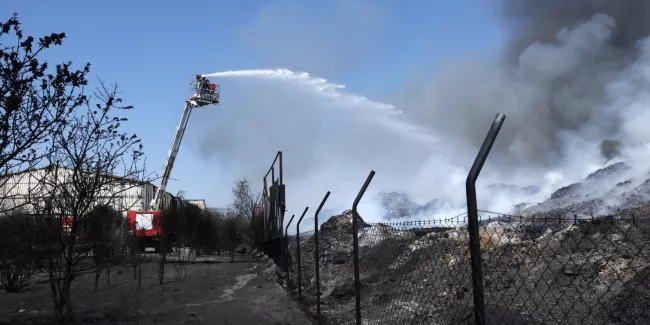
(244, 292)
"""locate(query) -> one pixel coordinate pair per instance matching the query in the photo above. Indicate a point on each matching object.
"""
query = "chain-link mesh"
(566, 270)
(301, 266)
(415, 272)
(552, 270)
(336, 275)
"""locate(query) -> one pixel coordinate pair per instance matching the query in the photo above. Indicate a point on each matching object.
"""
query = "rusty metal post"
(298, 253)
(265, 216)
(286, 229)
(285, 248)
(280, 156)
(266, 188)
(271, 168)
(473, 222)
(317, 255)
(283, 198)
(355, 245)
(278, 222)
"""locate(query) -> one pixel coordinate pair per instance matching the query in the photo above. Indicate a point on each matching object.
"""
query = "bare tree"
(133, 255)
(135, 259)
(245, 199)
(180, 230)
(205, 238)
(35, 101)
(171, 224)
(191, 231)
(92, 164)
(106, 230)
(244, 207)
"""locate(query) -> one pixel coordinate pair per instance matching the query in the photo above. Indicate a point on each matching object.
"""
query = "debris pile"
(535, 272)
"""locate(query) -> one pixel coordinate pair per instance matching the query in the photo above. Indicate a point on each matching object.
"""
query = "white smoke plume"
(330, 138)
(573, 82)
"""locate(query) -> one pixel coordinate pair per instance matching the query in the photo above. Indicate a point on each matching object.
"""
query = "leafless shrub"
(107, 232)
(18, 259)
(233, 233)
(189, 231)
(93, 164)
(170, 221)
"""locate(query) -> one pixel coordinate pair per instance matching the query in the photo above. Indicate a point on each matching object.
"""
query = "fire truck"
(146, 225)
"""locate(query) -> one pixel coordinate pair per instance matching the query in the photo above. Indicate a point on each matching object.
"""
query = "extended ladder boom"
(206, 93)
(180, 131)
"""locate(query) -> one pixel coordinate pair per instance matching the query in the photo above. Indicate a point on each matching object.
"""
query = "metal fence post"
(317, 255)
(298, 253)
(472, 219)
(355, 244)
(273, 228)
(285, 249)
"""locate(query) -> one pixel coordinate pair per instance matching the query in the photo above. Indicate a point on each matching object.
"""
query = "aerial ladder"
(147, 224)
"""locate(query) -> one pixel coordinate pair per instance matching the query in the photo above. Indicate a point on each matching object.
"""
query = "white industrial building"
(27, 188)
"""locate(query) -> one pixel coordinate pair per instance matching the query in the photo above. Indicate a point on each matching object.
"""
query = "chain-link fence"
(566, 270)
(553, 270)
(479, 267)
(415, 272)
(302, 261)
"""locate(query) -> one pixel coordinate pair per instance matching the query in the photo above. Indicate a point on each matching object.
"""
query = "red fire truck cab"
(146, 226)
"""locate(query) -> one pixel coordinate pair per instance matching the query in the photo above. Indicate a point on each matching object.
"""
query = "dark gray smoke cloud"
(554, 80)
(540, 20)
(575, 97)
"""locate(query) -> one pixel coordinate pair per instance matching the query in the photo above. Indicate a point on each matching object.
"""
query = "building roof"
(218, 210)
(51, 166)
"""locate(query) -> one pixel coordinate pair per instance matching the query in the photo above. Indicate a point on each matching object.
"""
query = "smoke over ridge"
(559, 80)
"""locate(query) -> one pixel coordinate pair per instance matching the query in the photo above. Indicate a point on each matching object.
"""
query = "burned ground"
(244, 292)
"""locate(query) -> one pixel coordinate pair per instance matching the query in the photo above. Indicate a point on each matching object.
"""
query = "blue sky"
(152, 49)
